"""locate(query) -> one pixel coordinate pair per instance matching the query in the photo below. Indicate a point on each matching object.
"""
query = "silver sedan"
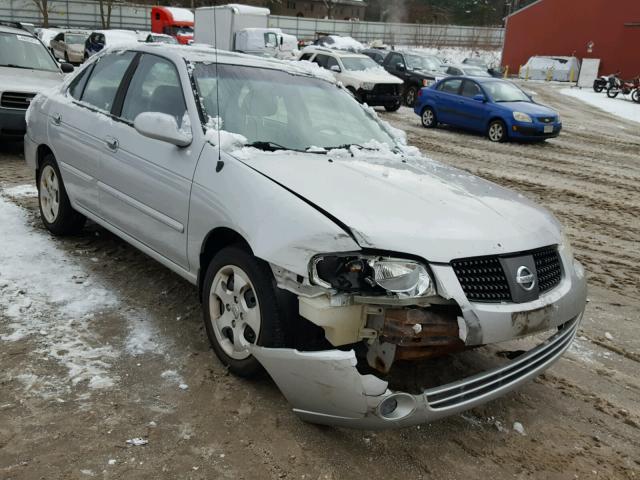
(325, 249)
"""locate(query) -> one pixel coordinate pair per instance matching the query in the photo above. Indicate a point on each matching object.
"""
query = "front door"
(447, 101)
(472, 112)
(145, 183)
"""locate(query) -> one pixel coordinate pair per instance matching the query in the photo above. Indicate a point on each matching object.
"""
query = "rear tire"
(55, 209)
(497, 131)
(428, 118)
(635, 95)
(392, 108)
(240, 307)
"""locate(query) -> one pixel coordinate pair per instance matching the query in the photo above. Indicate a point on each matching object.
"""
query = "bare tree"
(43, 8)
(105, 12)
(329, 5)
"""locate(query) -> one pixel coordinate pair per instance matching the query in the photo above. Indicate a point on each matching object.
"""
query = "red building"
(604, 29)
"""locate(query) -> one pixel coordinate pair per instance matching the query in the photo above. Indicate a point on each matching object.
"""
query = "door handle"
(56, 119)
(112, 143)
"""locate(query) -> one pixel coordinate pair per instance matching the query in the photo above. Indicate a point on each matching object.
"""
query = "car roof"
(208, 54)
(19, 31)
(332, 51)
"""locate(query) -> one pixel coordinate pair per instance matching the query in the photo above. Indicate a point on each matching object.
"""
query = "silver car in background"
(325, 250)
(69, 45)
(26, 69)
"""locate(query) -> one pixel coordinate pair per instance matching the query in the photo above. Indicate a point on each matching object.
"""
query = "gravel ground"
(76, 385)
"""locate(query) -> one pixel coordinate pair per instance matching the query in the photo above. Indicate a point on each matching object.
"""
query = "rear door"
(447, 101)
(78, 128)
(473, 113)
(145, 183)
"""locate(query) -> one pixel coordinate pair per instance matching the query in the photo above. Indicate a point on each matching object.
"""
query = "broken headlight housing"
(372, 275)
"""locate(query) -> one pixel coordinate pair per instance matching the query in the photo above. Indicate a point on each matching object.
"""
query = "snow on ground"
(458, 54)
(620, 106)
(47, 296)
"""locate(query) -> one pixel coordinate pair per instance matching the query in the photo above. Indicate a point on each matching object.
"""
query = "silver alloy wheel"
(496, 132)
(234, 311)
(411, 97)
(49, 194)
(427, 117)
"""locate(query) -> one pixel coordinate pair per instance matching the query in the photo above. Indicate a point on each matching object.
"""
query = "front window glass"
(105, 79)
(505, 92)
(359, 63)
(75, 39)
(291, 111)
(24, 51)
(155, 87)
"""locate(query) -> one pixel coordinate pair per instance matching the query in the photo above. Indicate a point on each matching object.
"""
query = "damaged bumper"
(325, 387)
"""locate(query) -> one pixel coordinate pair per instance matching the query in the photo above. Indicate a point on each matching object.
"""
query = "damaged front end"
(413, 355)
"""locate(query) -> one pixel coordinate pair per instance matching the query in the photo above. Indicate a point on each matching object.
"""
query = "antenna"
(220, 163)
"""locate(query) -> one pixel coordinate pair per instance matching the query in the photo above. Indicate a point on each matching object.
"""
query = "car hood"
(370, 76)
(529, 107)
(30, 81)
(420, 207)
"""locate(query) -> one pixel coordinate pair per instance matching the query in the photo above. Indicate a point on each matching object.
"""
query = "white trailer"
(240, 28)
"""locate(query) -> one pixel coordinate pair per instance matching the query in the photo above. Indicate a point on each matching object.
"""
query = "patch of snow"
(137, 442)
(343, 43)
(19, 191)
(142, 336)
(608, 336)
(172, 376)
(183, 386)
(458, 54)
(112, 461)
(226, 141)
(518, 428)
(620, 106)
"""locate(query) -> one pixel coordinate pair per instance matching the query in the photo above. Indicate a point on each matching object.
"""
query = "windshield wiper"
(269, 146)
(11, 65)
(347, 146)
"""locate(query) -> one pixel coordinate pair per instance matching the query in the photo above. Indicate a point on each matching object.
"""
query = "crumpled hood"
(30, 81)
(371, 76)
(420, 207)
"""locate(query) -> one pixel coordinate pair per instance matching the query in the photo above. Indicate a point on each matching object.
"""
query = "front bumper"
(374, 98)
(326, 387)
(12, 123)
(534, 130)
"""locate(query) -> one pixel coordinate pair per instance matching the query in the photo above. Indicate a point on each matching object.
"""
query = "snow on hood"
(30, 81)
(403, 202)
(371, 75)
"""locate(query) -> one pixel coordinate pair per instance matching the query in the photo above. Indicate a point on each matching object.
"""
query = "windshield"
(476, 72)
(23, 51)
(417, 62)
(75, 39)
(358, 63)
(291, 111)
(162, 39)
(505, 92)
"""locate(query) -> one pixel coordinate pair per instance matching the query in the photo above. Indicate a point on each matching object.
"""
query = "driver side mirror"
(163, 127)
(335, 68)
(66, 67)
(479, 98)
(401, 67)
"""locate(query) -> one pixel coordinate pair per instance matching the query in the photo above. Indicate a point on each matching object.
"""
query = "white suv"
(370, 83)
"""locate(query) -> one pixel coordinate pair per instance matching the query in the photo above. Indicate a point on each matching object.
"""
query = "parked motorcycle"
(625, 87)
(600, 83)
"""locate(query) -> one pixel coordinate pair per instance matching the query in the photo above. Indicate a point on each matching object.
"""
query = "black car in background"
(376, 54)
(417, 70)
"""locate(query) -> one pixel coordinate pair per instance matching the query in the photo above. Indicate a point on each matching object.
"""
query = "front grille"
(385, 89)
(483, 279)
(547, 119)
(547, 263)
(16, 100)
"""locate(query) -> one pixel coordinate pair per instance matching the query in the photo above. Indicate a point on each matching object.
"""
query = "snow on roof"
(342, 43)
(180, 14)
(242, 9)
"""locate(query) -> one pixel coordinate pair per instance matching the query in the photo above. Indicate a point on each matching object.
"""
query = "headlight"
(522, 117)
(372, 275)
(368, 86)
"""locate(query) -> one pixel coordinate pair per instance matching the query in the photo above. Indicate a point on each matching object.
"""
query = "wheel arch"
(213, 242)
(42, 151)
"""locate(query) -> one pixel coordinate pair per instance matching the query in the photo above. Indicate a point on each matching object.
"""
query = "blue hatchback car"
(495, 107)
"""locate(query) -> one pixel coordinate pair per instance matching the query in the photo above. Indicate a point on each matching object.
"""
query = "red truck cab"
(177, 22)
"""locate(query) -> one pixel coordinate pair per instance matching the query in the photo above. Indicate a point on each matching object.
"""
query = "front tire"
(612, 92)
(497, 131)
(392, 108)
(240, 308)
(428, 118)
(635, 95)
(56, 211)
(410, 96)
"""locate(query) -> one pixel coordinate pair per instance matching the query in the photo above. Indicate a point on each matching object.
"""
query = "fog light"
(388, 407)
